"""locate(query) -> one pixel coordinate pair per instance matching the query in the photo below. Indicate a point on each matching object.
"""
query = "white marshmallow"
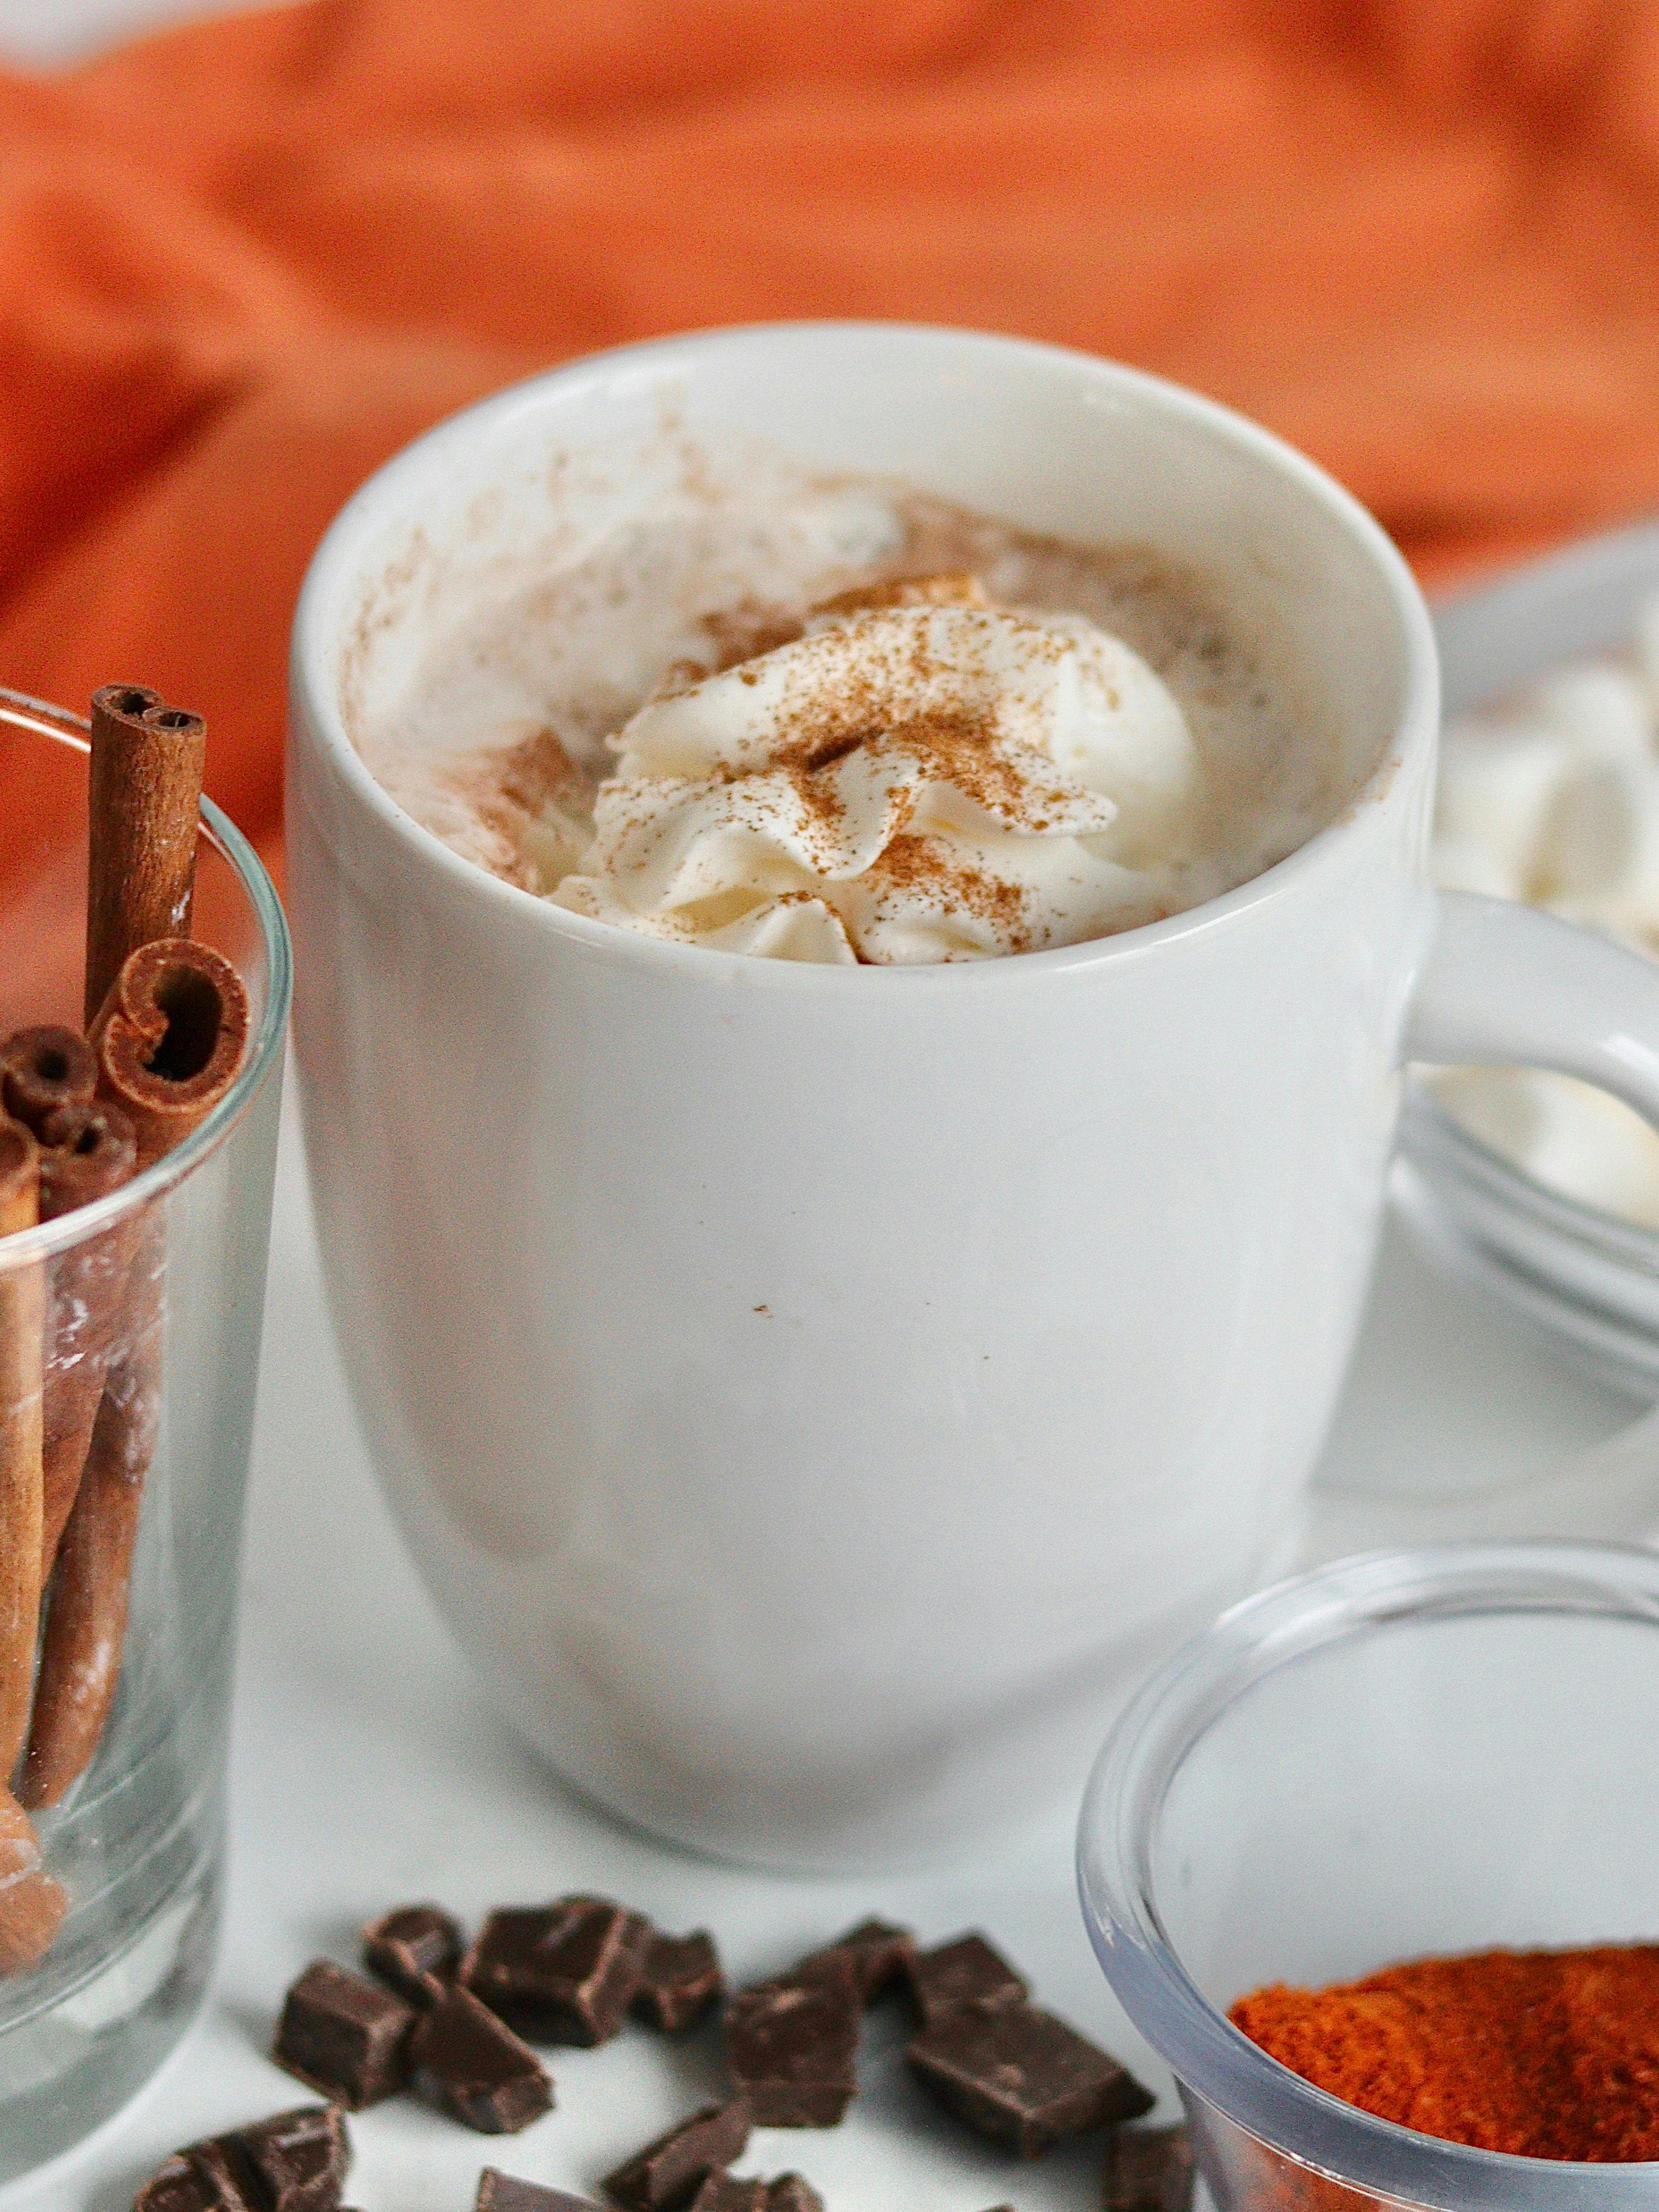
(1469, 864)
(1598, 856)
(1498, 782)
(1575, 1140)
(1557, 801)
(1600, 709)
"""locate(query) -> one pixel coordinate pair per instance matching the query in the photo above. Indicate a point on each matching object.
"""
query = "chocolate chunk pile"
(455, 2023)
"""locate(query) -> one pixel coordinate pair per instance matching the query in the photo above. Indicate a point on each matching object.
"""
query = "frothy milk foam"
(836, 720)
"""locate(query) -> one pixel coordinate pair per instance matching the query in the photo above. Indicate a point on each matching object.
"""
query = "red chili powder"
(1547, 2054)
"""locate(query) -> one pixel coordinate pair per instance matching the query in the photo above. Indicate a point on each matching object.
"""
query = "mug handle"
(1505, 985)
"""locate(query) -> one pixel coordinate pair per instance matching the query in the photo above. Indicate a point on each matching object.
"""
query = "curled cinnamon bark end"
(32, 1904)
(87, 1152)
(144, 799)
(169, 1038)
(22, 1331)
(44, 1070)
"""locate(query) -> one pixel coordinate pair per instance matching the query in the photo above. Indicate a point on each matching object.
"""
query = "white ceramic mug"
(815, 1395)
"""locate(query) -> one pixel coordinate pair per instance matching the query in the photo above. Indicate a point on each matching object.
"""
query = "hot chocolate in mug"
(814, 1394)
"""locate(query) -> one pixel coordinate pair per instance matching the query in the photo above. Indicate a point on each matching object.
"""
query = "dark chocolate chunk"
(679, 1978)
(881, 1954)
(966, 1971)
(792, 2193)
(417, 1949)
(468, 2063)
(503, 2192)
(344, 2035)
(792, 2046)
(725, 2192)
(564, 1972)
(297, 2160)
(180, 2185)
(293, 2162)
(1149, 2170)
(1022, 2077)
(673, 2166)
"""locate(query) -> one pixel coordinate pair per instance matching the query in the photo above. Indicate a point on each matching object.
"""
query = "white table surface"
(369, 1769)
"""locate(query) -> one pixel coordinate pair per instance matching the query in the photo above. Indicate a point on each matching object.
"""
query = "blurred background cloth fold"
(244, 260)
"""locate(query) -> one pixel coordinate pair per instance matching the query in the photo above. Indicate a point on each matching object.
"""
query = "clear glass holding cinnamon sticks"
(123, 1777)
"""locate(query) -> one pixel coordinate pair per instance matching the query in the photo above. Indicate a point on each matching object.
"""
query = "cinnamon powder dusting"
(922, 864)
(953, 745)
(823, 726)
(513, 803)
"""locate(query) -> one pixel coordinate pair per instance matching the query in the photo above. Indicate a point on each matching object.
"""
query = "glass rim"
(1125, 1797)
(25, 1247)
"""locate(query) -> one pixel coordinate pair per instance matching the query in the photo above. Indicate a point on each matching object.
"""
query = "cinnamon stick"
(86, 1152)
(22, 1318)
(43, 1069)
(144, 797)
(87, 1616)
(169, 1040)
(32, 1904)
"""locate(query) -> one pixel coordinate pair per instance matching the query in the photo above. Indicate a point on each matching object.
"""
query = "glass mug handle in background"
(1505, 985)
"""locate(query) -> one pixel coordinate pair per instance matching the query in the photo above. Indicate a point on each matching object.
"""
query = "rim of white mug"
(1416, 724)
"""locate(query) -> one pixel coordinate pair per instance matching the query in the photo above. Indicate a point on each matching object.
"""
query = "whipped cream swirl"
(921, 776)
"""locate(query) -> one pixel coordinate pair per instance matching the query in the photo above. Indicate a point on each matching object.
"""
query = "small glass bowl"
(1589, 1281)
(1407, 1754)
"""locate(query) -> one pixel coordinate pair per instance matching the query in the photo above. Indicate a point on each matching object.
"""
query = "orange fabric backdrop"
(242, 262)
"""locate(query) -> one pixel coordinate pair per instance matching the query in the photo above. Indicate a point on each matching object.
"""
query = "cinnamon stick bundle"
(155, 1038)
(23, 1321)
(169, 1041)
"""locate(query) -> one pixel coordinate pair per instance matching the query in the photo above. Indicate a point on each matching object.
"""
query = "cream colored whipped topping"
(1099, 743)
(929, 777)
(1554, 798)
